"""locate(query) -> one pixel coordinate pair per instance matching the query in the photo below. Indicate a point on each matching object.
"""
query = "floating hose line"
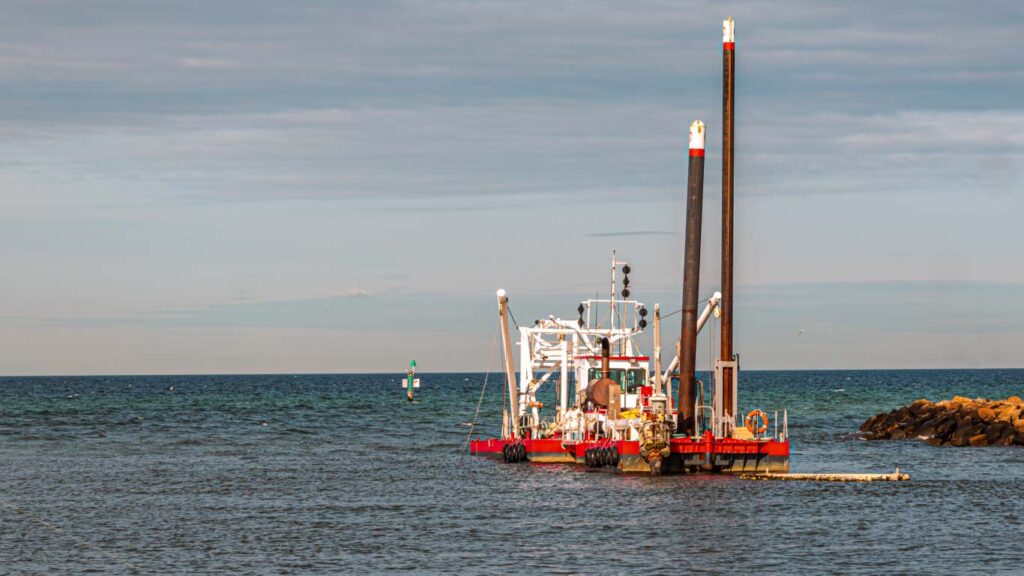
(490, 359)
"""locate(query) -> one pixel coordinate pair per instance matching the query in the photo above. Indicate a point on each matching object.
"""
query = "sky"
(254, 186)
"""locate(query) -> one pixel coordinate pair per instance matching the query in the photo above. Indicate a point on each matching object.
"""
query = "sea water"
(328, 474)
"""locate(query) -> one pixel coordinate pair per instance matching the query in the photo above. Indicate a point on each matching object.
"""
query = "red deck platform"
(707, 453)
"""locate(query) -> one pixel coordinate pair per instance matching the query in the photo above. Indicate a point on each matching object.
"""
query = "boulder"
(960, 439)
(960, 400)
(986, 414)
(1010, 437)
(918, 406)
(964, 432)
(928, 428)
(946, 426)
(979, 440)
(903, 414)
(959, 421)
(964, 422)
(1008, 413)
(996, 431)
(870, 423)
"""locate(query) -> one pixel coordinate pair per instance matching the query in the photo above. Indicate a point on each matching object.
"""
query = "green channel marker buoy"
(410, 380)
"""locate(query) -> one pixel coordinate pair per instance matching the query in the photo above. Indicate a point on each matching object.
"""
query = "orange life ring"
(749, 422)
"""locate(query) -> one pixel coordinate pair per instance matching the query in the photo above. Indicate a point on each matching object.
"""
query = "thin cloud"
(354, 293)
(633, 233)
(208, 63)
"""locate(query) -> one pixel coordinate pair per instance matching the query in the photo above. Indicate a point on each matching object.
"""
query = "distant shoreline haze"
(494, 374)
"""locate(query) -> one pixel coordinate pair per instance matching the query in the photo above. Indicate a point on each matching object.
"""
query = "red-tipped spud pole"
(691, 282)
(728, 101)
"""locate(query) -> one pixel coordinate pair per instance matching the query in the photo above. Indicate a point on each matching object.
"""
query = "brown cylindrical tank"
(597, 390)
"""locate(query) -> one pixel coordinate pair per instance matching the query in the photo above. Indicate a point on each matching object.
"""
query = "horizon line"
(372, 373)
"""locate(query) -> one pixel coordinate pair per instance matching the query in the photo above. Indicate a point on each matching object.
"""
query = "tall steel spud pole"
(728, 216)
(691, 282)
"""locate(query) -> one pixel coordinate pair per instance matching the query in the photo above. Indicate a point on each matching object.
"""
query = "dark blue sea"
(333, 474)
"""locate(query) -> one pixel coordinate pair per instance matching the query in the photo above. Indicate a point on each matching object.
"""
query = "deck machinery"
(613, 409)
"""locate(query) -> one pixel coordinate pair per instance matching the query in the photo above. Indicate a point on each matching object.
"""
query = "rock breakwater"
(957, 422)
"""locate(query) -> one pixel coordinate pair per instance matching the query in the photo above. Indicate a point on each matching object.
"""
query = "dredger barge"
(614, 409)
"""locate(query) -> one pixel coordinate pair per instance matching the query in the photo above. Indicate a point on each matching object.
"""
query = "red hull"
(706, 453)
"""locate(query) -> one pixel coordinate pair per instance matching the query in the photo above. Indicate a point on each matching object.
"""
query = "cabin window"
(629, 379)
(635, 378)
